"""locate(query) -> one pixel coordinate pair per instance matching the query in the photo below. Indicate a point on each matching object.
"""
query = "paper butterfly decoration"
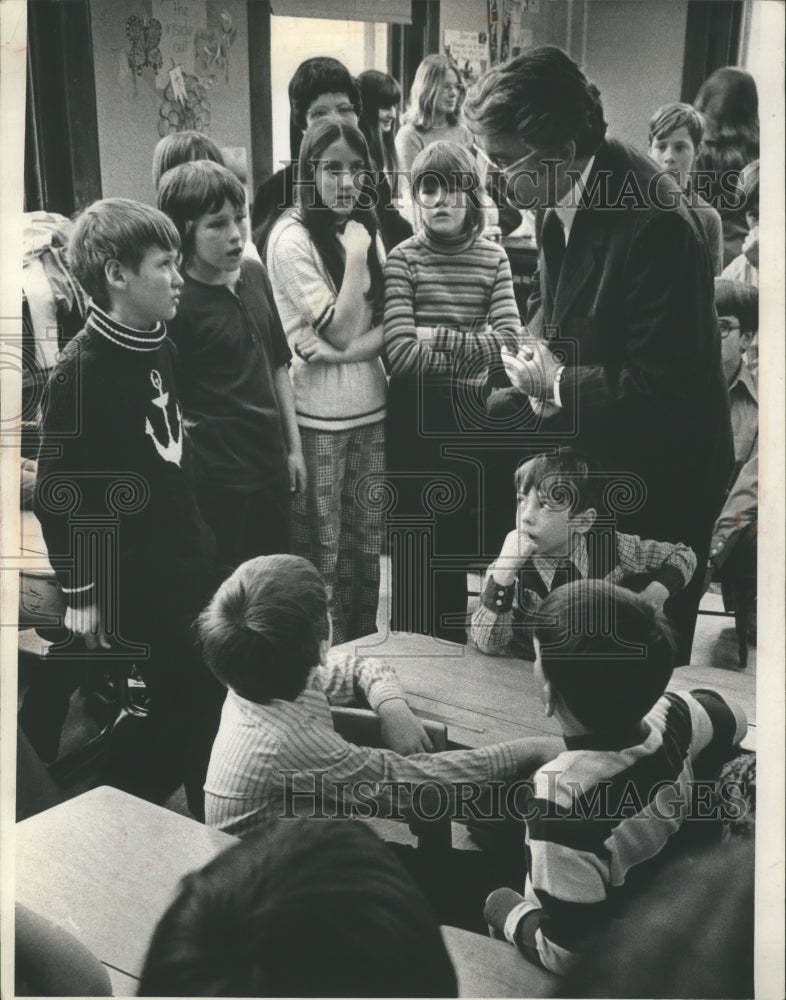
(144, 35)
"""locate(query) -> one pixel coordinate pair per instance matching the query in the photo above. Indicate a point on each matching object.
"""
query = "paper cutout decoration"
(178, 113)
(144, 34)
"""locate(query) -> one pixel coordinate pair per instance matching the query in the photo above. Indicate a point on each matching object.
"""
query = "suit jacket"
(633, 313)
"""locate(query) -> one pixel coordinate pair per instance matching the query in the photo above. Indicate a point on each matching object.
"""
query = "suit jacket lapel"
(584, 250)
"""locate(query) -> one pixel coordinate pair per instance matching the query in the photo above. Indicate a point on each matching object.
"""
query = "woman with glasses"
(434, 112)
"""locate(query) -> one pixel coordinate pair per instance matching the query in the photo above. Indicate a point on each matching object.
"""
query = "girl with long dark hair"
(325, 260)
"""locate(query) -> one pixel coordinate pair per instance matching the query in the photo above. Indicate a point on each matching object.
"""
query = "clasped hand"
(532, 370)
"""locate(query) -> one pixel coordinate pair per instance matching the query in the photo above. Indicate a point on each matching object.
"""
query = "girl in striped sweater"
(449, 309)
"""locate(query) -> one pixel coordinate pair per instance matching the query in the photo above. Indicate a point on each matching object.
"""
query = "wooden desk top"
(486, 968)
(105, 865)
(482, 699)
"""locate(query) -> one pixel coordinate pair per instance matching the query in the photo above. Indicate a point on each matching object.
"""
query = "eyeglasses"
(342, 111)
(509, 169)
(726, 327)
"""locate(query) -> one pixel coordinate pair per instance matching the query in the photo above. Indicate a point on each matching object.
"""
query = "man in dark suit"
(624, 356)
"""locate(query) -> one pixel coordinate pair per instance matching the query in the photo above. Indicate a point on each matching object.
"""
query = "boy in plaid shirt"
(556, 541)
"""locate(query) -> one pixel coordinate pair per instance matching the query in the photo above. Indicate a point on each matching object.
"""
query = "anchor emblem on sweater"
(172, 451)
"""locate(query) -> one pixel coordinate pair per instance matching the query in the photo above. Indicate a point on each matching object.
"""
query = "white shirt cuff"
(515, 917)
(557, 380)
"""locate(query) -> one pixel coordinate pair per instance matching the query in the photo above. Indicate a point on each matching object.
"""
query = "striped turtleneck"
(125, 336)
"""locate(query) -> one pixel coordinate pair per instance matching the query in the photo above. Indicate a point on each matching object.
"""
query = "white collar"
(567, 207)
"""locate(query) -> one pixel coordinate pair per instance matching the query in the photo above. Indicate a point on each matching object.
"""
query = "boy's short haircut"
(566, 478)
(115, 229)
(183, 147)
(670, 117)
(737, 298)
(191, 190)
(261, 632)
(318, 76)
(607, 652)
(304, 908)
(454, 168)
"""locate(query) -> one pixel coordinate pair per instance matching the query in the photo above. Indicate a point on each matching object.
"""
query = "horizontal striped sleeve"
(406, 354)
(503, 310)
(467, 298)
(717, 727)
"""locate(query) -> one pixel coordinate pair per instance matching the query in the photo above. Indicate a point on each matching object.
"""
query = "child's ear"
(115, 274)
(746, 336)
(324, 647)
(581, 523)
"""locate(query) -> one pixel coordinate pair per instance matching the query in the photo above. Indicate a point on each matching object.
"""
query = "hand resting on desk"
(401, 730)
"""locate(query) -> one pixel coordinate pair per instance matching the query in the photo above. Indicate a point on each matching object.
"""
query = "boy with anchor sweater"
(556, 541)
(114, 493)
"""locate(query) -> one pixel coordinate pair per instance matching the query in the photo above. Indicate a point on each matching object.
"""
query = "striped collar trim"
(125, 336)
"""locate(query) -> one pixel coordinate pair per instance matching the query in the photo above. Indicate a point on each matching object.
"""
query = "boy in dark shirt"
(237, 398)
(115, 495)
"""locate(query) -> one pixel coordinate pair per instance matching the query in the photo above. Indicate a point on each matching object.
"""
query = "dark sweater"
(230, 345)
(113, 453)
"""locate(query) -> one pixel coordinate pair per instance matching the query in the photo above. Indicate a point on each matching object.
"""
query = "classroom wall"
(632, 49)
(634, 53)
(129, 105)
(545, 19)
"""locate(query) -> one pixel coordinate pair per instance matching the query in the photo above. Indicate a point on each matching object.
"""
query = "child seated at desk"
(556, 540)
(611, 802)
(302, 909)
(266, 636)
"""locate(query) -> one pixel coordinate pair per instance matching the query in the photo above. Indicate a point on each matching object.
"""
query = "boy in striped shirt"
(266, 636)
(601, 812)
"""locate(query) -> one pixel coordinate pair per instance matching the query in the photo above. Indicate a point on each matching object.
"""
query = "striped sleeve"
(297, 279)
(458, 308)
(346, 678)
(568, 875)
(716, 724)
(405, 352)
(504, 312)
(349, 773)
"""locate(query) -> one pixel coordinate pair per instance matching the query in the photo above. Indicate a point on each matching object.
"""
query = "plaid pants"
(337, 527)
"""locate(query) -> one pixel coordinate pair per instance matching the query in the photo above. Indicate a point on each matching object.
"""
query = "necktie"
(553, 240)
(566, 572)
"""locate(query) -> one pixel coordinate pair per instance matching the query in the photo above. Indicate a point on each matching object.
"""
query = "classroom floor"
(715, 663)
